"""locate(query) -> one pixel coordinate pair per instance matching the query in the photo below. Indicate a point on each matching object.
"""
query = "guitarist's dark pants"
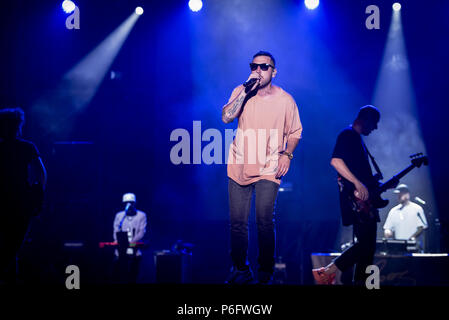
(361, 253)
(13, 230)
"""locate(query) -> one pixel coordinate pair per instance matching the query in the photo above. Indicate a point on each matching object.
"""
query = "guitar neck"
(391, 183)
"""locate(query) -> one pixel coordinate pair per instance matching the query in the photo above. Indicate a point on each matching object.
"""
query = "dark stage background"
(177, 67)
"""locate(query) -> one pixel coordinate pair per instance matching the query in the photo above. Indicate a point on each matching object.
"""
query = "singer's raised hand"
(233, 108)
(254, 75)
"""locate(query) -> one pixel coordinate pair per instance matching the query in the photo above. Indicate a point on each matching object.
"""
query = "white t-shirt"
(134, 225)
(405, 220)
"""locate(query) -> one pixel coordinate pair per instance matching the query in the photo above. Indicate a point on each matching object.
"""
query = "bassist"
(350, 159)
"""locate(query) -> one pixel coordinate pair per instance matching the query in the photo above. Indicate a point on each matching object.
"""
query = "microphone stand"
(424, 236)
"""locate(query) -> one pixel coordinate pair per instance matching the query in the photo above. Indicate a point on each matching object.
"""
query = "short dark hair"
(11, 120)
(267, 54)
(369, 112)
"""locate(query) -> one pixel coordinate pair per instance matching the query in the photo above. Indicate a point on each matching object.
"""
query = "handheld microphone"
(420, 200)
(128, 206)
(250, 82)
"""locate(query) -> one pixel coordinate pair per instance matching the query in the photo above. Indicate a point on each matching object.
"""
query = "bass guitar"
(375, 201)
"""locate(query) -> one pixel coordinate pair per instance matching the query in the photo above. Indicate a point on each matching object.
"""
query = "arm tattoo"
(231, 113)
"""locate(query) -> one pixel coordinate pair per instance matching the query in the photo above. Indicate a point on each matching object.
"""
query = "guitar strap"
(373, 161)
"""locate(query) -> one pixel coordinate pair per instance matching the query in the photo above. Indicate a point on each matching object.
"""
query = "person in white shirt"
(407, 220)
(132, 223)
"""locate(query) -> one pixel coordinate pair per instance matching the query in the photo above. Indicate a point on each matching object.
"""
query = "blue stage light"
(68, 6)
(311, 4)
(139, 11)
(195, 5)
(396, 6)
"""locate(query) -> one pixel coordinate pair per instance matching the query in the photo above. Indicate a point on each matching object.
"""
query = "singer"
(260, 107)
(132, 224)
(407, 220)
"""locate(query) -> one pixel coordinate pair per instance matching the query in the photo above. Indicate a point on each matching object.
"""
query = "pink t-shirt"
(264, 126)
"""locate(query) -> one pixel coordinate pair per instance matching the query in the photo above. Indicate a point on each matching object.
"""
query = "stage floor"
(414, 269)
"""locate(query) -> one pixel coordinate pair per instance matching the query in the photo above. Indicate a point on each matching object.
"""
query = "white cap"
(402, 188)
(129, 197)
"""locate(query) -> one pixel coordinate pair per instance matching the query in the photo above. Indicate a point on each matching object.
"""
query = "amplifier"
(173, 267)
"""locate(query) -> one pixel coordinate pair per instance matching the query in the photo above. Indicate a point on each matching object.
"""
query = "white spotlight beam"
(79, 85)
(399, 132)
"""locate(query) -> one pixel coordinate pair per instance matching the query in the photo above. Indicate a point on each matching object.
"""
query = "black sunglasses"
(263, 66)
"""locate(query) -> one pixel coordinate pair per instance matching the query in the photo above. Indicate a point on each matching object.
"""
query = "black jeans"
(12, 234)
(240, 206)
(360, 253)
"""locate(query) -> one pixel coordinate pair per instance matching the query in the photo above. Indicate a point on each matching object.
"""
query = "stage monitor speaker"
(173, 267)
